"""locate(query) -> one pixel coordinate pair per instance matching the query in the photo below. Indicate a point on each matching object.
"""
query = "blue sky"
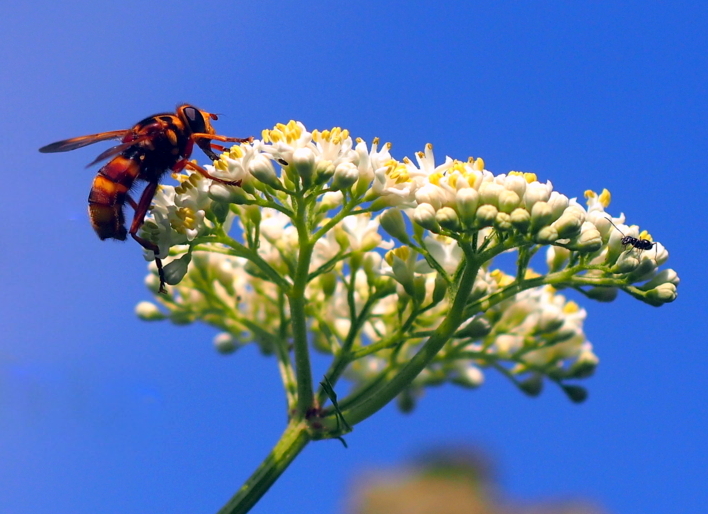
(100, 412)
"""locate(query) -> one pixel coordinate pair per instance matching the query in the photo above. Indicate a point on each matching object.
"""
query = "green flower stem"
(291, 443)
(346, 211)
(421, 249)
(343, 358)
(239, 250)
(287, 373)
(297, 300)
(329, 265)
(561, 278)
(272, 205)
(432, 346)
(361, 393)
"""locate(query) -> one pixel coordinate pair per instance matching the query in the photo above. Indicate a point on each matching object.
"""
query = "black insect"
(639, 244)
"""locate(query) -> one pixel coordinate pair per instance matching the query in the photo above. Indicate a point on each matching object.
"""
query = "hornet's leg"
(131, 202)
(184, 163)
(224, 139)
(138, 219)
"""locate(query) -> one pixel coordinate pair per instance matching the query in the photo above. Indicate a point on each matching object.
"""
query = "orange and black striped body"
(108, 195)
(161, 141)
(146, 152)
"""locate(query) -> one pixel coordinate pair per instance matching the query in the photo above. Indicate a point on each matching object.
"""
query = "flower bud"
(393, 223)
(447, 218)
(503, 222)
(645, 270)
(323, 171)
(253, 213)
(568, 225)
(419, 288)
(541, 215)
(177, 269)
(424, 215)
(480, 289)
(147, 311)
(225, 343)
(370, 241)
(508, 201)
(228, 194)
(467, 375)
(575, 394)
(547, 235)
(532, 386)
(667, 275)
(489, 193)
(345, 175)
(328, 283)
(262, 170)
(584, 366)
(218, 212)
(340, 235)
(516, 183)
(626, 263)
(407, 400)
(486, 215)
(467, 200)
(330, 200)
(535, 192)
(602, 294)
(558, 204)
(401, 272)
(507, 344)
(476, 328)
(664, 293)
(304, 162)
(589, 239)
(550, 321)
(430, 194)
(520, 219)
(440, 289)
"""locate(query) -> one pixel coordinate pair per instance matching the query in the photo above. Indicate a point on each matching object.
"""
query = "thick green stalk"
(426, 354)
(291, 443)
(297, 301)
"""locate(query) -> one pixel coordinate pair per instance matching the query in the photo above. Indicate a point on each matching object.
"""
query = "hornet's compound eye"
(190, 113)
(195, 119)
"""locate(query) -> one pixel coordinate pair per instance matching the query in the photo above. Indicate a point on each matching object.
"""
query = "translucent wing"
(79, 142)
(117, 149)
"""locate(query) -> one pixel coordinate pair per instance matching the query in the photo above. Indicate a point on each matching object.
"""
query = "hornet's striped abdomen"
(108, 194)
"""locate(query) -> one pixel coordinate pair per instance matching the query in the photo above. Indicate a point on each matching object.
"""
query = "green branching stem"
(297, 300)
(346, 211)
(239, 250)
(344, 357)
(430, 348)
(291, 443)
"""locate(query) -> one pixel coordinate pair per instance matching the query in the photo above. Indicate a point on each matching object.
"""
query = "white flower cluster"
(178, 214)
(463, 197)
(375, 300)
(532, 334)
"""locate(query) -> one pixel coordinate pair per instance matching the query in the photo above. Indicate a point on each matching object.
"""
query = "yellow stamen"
(605, 198)
(397, 172)
(571, 307)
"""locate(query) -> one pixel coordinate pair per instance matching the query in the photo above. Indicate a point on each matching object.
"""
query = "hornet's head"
(198, 122)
